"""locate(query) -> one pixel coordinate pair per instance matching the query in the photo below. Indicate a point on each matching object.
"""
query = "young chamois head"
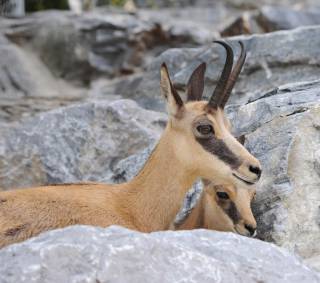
(227, 208)
(200, 131)
(223, 208)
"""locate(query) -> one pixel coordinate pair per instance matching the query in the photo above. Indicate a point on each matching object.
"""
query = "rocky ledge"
(88, 254)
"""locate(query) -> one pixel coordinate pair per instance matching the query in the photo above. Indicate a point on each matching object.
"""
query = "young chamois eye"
(222, 195)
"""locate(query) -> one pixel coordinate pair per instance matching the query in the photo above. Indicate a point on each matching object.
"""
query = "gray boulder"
(287, 204)
(103, 42)
(88, 254)
(27, 86)
(273, 59)
(76, 143)
(271, 18)
(282, 130)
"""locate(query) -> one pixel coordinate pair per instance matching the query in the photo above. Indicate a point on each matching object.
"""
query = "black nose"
(255, 170)
(250, 228)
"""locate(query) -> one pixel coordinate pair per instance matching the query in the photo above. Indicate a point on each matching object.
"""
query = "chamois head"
(227, 208)
(200, 131)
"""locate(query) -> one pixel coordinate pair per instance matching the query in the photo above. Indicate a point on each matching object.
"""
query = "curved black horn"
(234, 75)
(216, 97)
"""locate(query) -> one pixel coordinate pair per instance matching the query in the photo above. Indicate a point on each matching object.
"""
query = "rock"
(129, 167)
(271, 18)
(273, 59)
(105, 42)
(285, 100)
(76, 143)
(27, 86)
(245, 24)
(283, 131)
(283, 18)
(88, 254)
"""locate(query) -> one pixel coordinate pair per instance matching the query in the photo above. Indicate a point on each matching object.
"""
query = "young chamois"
(196, 143)
(221, 208)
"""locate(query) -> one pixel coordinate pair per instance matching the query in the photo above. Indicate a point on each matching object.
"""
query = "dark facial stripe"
(231, 210)
(219, 148)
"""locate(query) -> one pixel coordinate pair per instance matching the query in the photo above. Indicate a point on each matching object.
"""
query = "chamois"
(195, 143)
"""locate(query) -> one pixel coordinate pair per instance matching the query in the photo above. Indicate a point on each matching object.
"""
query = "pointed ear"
(196, 83)
(174, 101)
(241, 139)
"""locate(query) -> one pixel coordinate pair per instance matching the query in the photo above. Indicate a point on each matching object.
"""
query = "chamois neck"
(156, 194)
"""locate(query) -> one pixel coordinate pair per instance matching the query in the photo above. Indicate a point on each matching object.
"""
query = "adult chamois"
(195, 143)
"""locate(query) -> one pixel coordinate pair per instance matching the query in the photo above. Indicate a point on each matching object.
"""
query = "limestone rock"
(88, 254)
(273, 59)
(271, 18)
(282, 131)
(27, 86)
(75, 143)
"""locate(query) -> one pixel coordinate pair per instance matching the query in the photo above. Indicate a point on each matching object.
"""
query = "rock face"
(272, 61)
(271, 18)
(282, 131)
(102, 42)
(27, 86)
(87, 254)
(75, 143)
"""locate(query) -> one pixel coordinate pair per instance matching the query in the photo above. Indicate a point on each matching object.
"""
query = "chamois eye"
(205, 130)
(222, 195)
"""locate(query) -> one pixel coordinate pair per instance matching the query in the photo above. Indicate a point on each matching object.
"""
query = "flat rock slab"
(117, 255)
(75, 143)
(273, 59)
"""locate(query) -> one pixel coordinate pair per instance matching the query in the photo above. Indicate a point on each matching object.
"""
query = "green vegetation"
(37, 5)
(118, 3)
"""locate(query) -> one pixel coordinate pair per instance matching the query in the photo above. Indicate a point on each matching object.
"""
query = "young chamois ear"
(241, 139)
(172, 97)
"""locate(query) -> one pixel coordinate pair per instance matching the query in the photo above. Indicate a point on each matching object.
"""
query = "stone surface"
(106, 42)
(271, 18)
(88, 254)
(80, 142)
(273, 59)
(283, 131)
(27, 86)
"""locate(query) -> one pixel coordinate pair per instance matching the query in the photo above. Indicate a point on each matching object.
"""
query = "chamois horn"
(228, 76)
(234, 75)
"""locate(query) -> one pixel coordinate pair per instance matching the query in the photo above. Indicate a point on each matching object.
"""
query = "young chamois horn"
(195, 143)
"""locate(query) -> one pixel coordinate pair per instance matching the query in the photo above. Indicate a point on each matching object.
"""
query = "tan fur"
(208, 214)
(147, 203)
